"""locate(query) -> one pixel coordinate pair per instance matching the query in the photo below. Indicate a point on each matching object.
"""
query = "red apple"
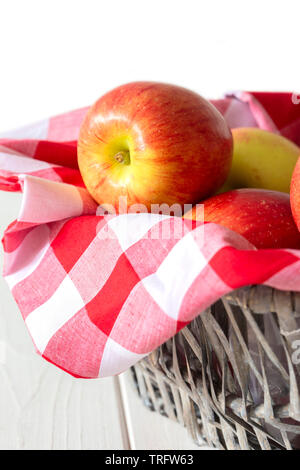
(154, 143)
(295, 194)
(263, 217)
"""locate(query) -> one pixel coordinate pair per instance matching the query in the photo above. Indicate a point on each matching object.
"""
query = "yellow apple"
(261, 159)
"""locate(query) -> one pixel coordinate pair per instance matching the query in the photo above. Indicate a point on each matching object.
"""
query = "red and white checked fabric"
(99, 293)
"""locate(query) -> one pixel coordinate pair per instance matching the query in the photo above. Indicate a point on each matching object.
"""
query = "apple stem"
(123, 157)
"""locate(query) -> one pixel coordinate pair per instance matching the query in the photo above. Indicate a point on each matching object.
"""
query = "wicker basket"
(232, 376)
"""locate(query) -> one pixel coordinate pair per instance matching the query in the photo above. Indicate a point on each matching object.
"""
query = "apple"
(262, 216)
(261, 159)
(295, 194)
(154, 143)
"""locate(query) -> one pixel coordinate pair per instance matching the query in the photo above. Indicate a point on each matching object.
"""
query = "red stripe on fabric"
(279, 106)
(59, 153)
(104, 309)
(239, 268)
(142, 325)
(55, 153)
(180, 325)
(292, 131)
(74, 238)
(24, 146)
(69, 176)
(9, 182)
(15, 234)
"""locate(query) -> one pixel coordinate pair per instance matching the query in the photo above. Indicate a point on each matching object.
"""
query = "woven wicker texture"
(232, 376)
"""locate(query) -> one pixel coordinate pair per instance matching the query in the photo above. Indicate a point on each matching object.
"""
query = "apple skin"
(263, 217)
(154, 143)
(261, 159)
(295, 194)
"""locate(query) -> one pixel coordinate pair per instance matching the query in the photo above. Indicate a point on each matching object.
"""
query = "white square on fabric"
(47, 319)
(169, 284)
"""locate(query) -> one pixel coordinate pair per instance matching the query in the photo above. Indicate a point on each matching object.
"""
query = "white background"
(60, 55)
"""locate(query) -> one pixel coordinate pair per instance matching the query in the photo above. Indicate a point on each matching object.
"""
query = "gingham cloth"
(99, 293)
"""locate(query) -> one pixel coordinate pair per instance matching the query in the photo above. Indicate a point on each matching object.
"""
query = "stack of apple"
(161, 145)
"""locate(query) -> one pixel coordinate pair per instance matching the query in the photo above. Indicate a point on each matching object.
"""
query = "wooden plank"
(42, 407)
(150, 430)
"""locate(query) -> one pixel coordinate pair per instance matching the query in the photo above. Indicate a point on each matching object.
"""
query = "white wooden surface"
(42, 407)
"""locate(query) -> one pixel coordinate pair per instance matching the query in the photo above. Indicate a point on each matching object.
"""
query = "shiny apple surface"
(263, 217)
(155, 144)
